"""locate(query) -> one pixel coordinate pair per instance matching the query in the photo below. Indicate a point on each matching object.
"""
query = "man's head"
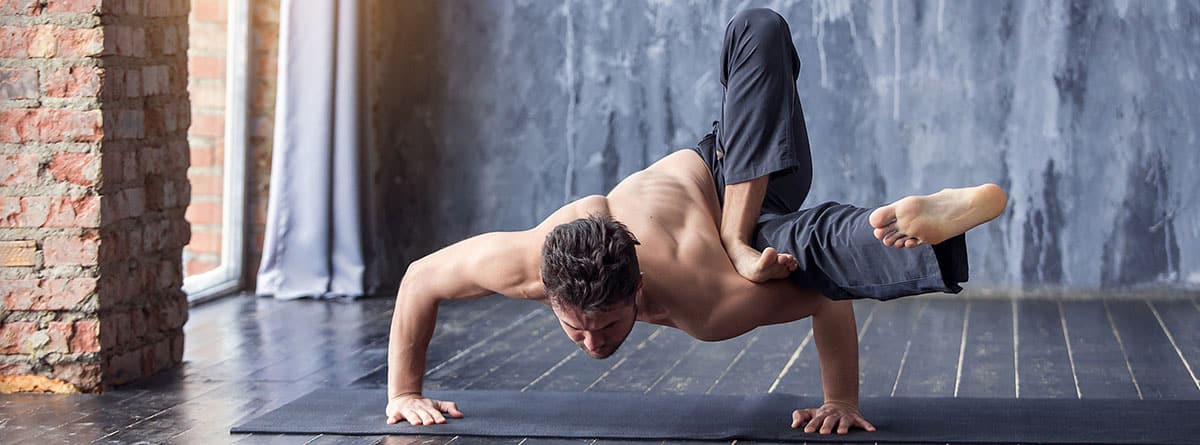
(591, 275)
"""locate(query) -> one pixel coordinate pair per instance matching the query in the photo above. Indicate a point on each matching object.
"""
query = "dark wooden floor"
(248, 355)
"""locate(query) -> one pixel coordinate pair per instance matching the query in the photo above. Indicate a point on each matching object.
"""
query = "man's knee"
(760, 23)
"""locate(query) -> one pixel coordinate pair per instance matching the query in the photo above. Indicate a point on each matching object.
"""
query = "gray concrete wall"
(488, 115)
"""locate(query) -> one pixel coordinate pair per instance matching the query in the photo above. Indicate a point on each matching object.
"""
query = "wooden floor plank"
(701, 367)
(803, 373)
(1045, 366)
(987, 368)
(494, 347)
(762, 360)
(880, 347)
(527, 365)
(1156, 366)
(1100, 365)
(929, 366)
(644, 368)
(1181, 319)
(577, 371)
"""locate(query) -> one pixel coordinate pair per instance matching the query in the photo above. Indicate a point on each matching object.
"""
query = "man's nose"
(592, 341)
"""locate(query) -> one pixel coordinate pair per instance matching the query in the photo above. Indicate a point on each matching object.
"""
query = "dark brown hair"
(591, 264)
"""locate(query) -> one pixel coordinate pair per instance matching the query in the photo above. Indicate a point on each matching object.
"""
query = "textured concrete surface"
(488, 115)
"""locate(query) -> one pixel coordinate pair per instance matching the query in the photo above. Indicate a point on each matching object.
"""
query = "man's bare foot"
(761, 267)
(931, 219)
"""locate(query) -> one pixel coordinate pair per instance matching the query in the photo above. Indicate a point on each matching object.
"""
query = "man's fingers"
(451, 408)
(844, 425)
(411, 417)
(829, 424)
(813, 424)
(425, 418)
(799, 417)
(865, 424)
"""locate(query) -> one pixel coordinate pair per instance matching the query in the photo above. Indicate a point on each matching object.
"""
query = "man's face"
(599, 334)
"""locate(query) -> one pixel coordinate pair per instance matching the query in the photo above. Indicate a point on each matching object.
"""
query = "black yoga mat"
(757, 417)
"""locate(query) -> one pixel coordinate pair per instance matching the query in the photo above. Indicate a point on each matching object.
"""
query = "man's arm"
(472, 268)
(836, 336)
(743, 202)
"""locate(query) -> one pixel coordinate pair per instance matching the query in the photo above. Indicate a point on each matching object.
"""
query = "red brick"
(206, 67)
(43, 41)
(127, 203)
(125, 7)
(51, 294)
(15, 212)
(60, 337)
(204, 213)
(124, 367)
(63, 250)
(85, 42)
(197, 266)
(82, 211)
(205, 241)
(73, 81)
(133, 83)
(170, 40)
(12, 334)
(55, 125)
(19, 125)
(156, 80)
(125, 124)
(76, 168)
(209, 95)
(209, 10)
(18, 169)
(18, 83)
(49, 211)
(73, 6)
(14, 41)
(86, 336)
(211, 125)
(202, 156)
(84, 376)
(20, 7)
(206, 184)
(130, 40)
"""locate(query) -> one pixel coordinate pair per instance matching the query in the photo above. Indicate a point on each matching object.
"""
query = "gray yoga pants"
(762, 133)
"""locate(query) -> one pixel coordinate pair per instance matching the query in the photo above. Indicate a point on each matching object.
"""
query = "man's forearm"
(413, 323)
(743, 202)
(836, 337)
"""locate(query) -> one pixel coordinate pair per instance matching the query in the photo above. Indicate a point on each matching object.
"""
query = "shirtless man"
(672, 245)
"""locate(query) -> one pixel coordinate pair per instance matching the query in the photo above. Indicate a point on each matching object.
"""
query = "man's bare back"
(688, 280)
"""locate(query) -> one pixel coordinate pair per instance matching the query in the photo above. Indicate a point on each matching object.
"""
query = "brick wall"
(93, 159)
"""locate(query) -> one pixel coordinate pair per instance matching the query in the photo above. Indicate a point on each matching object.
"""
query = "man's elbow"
(411, 284)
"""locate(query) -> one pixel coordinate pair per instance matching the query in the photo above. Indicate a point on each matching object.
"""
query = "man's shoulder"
(579, 208)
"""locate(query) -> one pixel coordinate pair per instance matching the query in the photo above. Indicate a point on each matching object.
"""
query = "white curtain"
(314, 236)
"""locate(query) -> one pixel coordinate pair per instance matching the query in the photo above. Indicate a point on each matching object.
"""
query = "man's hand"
(829, 416)
(419, 410)
(760, 267)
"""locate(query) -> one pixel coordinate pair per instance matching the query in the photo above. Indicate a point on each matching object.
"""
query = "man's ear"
(641, 279)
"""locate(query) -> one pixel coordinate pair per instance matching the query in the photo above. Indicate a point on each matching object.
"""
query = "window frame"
(226, 278)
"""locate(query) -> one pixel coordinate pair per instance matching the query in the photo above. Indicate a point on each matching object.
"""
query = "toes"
(911, 242)
(883, 232)
(892, 238)
(883, 216)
